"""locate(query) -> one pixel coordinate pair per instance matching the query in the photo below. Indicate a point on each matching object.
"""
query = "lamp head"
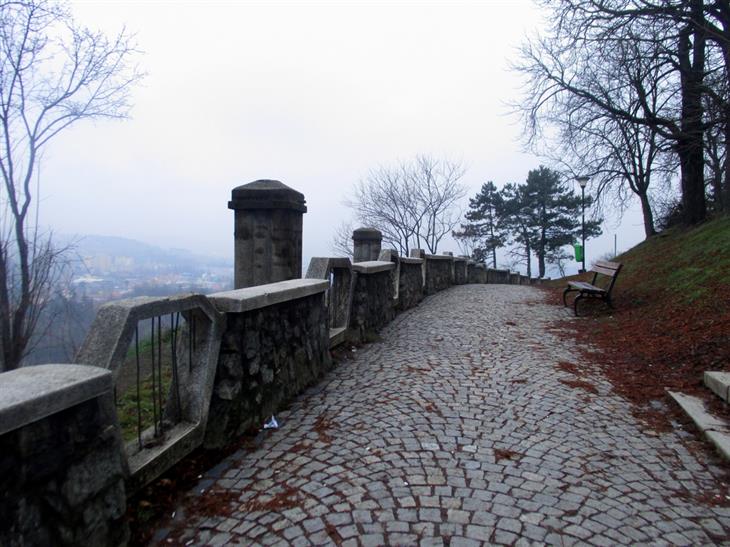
(582, 180)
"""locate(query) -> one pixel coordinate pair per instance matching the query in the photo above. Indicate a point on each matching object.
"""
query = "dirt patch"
(645, 348)
(286, 499)
(213, 503)
(300, 447)
(567, 367)
(322, 426)
(580, 384)
(333, 534)
(504, 454)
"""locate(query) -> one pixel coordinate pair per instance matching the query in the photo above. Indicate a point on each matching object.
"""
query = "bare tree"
(469, 239)
(387, 200)
(53, 73)
(413, 204)
(622, 158)
(439, 189)
(342, 240)
(717, 146)
(670, 34)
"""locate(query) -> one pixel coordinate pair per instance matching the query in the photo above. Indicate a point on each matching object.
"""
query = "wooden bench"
(605, 269)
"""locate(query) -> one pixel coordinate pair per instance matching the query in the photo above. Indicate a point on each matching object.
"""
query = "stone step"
(719, 383)
(717, 430)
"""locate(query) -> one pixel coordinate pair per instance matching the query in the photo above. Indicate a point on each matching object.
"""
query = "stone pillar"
(268, 233)
(366, 244)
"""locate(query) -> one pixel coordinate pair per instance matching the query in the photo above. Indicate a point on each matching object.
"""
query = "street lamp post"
(583, 181)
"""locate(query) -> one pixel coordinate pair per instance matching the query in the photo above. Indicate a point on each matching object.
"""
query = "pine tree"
(482, 226)
(548, 216)
(516, 220)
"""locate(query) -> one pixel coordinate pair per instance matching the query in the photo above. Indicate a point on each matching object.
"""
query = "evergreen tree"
(482, 226)
(549, 216)
(516, 220)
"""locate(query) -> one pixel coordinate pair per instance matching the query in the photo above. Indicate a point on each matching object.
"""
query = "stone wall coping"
(320, 267)
(460, 259)
(498, 270)
(262, 296)
(439, 257)
(407, 260)
(372, 266)
(340, 262)
(32, 393)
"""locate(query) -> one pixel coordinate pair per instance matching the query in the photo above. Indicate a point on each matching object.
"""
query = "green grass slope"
(686, 266)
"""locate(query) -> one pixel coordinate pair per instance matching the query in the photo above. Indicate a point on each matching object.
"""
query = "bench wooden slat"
(605, 271)
(582, 285)
(607, 264)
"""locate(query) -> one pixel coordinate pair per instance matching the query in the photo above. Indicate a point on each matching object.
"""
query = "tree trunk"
(717, 190)
(491, 235)
(649, 229)
(541, 255)
(724, 195)
(690, 142)
(693, 184)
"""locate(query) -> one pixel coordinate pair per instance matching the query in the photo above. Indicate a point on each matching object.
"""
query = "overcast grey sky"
(312, 94)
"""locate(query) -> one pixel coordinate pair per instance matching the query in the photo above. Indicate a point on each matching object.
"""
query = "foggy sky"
(312, 94)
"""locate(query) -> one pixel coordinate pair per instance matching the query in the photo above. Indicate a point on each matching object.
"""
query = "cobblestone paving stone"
(456, 429)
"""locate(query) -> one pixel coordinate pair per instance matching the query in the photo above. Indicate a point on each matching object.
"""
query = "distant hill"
(142, 254)
(107, 268)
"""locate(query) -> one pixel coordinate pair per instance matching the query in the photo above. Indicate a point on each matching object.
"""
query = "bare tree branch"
(413, 204)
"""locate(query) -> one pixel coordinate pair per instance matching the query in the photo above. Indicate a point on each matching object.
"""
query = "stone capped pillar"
(268, 233)
(366, 244)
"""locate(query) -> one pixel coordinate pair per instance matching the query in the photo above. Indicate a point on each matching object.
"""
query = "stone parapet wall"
(268, 355)
(438, 273)
(62, 469)
(476, 273)
(410, 283)
(372, 300)
(460, 271)
(498, 276)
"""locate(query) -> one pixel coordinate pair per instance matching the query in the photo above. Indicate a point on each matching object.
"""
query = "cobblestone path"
(457, 429)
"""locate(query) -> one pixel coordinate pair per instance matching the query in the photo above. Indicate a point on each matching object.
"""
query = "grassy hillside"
(686, 266)
(672, 313)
